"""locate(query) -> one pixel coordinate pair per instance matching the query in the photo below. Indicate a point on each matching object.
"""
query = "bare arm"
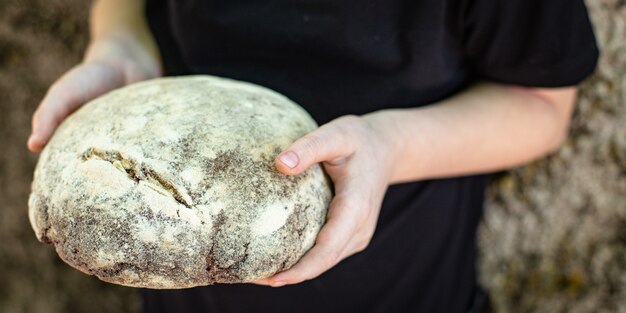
(121, 51)
(123, 22)
(487, 127)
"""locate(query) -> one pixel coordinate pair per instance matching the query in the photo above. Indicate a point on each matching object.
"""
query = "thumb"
(79, 85)
(329, 143)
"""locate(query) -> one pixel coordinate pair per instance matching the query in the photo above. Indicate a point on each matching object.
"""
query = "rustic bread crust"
(170, 183)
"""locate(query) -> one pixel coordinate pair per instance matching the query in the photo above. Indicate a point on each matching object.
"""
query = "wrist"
(389, 137)
(408, 132)
(125, 51)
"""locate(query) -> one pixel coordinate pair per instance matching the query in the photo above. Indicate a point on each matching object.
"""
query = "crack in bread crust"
(140, 172)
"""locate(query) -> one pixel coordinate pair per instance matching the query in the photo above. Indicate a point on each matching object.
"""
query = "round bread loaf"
(170, 183)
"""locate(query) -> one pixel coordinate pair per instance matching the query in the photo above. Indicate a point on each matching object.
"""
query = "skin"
(485, 128)
(121, 51)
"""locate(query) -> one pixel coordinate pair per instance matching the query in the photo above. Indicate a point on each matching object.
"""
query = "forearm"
(119, 27)
(485, 128)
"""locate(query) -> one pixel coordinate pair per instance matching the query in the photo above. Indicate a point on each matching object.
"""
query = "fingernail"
(289, 158)
(278, 283)
(32, 139)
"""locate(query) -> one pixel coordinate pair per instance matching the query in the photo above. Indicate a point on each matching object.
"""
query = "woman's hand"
(358, 157)
(108, 65)
(485, 128)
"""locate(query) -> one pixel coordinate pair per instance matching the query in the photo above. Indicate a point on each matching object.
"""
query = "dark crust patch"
(236, 167)
(295, 224)
(215, 272)
(115, 270)
(43, 211)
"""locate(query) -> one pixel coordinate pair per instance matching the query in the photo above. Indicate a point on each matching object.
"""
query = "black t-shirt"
(353, 57)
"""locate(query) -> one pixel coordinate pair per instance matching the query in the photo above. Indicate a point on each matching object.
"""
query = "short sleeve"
(540, 43)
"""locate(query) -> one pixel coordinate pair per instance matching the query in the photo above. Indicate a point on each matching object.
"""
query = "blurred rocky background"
(554, 236)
